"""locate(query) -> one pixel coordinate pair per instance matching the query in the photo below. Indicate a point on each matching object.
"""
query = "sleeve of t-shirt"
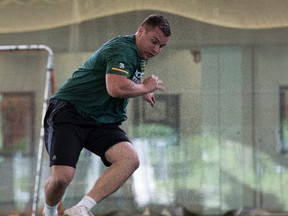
(120, 62)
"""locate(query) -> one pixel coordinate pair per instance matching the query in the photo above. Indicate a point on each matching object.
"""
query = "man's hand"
(150, 98)
(153, 83)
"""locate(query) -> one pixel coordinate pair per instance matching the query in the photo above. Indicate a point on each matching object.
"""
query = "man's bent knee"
(133, 161)
(123, 152)
(62, 175)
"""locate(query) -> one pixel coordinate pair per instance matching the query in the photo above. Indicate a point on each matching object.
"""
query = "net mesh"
(22, 90)
(179, 165)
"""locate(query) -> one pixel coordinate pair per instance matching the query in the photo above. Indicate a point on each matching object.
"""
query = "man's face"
(150, 43)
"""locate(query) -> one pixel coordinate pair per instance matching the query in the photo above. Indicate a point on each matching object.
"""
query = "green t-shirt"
(86, 89)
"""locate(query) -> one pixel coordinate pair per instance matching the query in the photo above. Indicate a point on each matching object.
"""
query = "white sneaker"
(78, 211)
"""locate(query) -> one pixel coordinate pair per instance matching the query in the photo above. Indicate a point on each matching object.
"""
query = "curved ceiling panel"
(34, 15)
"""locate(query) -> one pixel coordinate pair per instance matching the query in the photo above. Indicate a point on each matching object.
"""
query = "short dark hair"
(156, 20)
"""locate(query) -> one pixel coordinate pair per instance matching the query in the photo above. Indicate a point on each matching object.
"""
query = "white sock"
(88, 202)
(50, 210)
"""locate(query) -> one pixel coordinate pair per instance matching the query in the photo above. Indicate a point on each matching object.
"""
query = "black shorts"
(67, 133)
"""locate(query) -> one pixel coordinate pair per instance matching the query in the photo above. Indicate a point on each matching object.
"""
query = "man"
(87, 110)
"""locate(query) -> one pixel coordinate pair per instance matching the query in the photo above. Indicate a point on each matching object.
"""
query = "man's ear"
(141, 30)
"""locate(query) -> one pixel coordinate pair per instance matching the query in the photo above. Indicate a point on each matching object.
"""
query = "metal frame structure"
(49, 89)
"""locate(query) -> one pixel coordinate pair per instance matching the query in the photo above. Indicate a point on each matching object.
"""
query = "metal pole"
(47, 92)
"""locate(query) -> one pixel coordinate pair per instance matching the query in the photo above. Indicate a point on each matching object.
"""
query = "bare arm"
(120, 87)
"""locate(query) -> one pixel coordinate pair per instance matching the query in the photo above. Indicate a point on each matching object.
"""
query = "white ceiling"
(34, 15)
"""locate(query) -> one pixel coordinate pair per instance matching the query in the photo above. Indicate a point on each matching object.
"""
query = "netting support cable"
(49, 89)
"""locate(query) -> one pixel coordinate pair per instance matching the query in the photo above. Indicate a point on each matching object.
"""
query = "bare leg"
(56, 184)
(124, 161)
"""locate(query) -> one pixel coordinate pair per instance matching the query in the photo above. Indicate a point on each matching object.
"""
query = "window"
(163, 117)
(16, 123)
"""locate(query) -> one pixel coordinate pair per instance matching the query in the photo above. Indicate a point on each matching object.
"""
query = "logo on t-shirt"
(137, 77)
(121, 65)
(140, 72)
